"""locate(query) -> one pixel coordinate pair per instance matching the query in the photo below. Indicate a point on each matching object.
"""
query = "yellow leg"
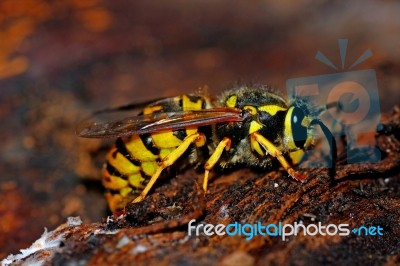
(225, 144)
(273, 151)
(169, 160)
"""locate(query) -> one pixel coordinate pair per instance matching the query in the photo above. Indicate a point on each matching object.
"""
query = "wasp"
(247, 125)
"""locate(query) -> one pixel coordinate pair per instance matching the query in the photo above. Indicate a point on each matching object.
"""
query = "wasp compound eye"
(299, 131)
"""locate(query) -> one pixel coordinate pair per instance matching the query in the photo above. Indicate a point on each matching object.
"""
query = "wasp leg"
(275, 152)
(225, 144)
(169, 160)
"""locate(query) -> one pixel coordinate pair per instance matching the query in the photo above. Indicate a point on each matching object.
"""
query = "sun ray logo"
(343, 51)
(356, 111)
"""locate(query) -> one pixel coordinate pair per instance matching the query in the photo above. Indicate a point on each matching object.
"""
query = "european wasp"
(247, 125)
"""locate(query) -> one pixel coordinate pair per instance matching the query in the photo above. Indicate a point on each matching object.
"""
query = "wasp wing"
(137, 107)
(157, 122)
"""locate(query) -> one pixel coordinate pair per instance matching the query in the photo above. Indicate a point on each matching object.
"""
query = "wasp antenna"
(322, 109)
(332, 146)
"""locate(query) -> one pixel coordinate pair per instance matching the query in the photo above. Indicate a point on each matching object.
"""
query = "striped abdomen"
(133, 160)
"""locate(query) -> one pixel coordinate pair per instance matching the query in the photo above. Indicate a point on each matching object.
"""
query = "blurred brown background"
(61, 60)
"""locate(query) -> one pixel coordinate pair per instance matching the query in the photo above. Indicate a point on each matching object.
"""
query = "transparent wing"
(135, 107)
(157, 122)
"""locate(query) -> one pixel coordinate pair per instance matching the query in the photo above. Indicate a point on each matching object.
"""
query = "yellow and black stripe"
(133, 160)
